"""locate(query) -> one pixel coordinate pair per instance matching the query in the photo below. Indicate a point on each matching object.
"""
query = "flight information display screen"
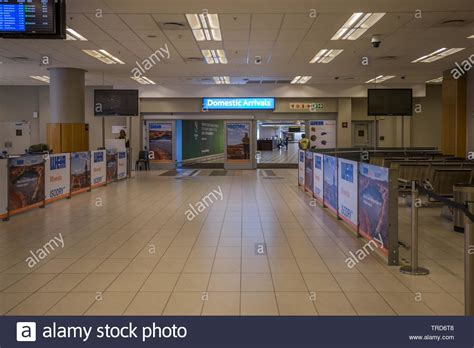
(30, 17)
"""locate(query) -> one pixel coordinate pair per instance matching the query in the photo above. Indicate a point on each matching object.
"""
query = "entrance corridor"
(130, 250)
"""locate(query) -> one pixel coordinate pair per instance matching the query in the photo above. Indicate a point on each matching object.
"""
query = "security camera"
(258, 60)
(376, 41)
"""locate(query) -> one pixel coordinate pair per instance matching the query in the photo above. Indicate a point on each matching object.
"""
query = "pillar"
(454, 115)
(344, 123)
(67, 131)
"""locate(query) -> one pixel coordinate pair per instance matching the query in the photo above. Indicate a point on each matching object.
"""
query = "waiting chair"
(142, 160)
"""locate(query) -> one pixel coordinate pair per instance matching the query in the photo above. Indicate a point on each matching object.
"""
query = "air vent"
(387, 58)
(452, 23)
(193, 59)
(173, 25)
(19, 59)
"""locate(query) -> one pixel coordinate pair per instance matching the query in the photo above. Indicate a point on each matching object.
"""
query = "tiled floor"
(129, 250)
(282, 155)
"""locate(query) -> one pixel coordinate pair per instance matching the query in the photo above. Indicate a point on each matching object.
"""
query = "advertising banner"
(322, 134)
(98, 168)
(122, 165)
(330, 183)
(160, 138)
(308, 177)
(58, 179)
(3, 188)
(202, 138)
(301, 167)
(112, 165)
(347, 192)
(80, 172)
(318, 175)
(238, 142)
(26, 183)
(374, 202)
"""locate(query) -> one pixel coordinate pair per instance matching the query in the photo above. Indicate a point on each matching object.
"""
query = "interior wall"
(470, 111)
(426, 126)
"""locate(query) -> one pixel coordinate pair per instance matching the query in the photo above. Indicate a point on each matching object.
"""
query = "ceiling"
(286, 34)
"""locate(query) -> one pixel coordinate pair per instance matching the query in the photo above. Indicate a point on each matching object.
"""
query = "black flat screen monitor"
(115, 102)
(33, 19)
(390, 102)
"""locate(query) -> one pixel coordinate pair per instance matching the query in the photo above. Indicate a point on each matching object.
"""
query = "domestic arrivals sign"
(238, 103)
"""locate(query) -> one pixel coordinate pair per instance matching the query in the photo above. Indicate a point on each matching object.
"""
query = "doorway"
(362, 134)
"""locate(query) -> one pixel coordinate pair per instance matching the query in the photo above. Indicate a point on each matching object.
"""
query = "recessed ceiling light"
(222, 80)
(437, 80)
(205, 26)
(143, 80)
(381, 78)
(436, 55)
(214, 56)
(103, 56)
(301, 79)
(357, 25)
(41, 78)
(73, 35)
(325, 56)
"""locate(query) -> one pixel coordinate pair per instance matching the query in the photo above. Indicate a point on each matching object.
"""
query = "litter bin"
(462, 193)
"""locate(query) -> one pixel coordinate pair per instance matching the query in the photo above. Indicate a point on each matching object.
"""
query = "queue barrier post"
(469, 262)
(414, 268)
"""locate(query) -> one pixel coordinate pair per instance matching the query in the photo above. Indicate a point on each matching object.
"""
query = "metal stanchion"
(469, 263)
(414, 269)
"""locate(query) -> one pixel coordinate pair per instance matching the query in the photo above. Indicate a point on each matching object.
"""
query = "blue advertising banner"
(238, 103)
(253, 332)
(98, 168)
(374, 203)
(309, 171)
(58, 184)
(318, 184)
(301, 167)
(347, 192)
(330, 183)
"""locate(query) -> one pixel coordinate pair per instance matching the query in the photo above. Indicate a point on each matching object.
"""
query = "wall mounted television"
(390, 102)
(116, 102)
(33, 19)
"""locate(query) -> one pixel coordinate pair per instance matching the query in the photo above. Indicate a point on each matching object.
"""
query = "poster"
(26, 183)
(374, 202)
(347, 192)
(3, 188)
(202, 138)
(308, 176)
(330, 182)
(301, 167)
(160, 138)
(318, 187)
(112, 165)
(98, 168)
(80, 172)
(122, 165)
(58, 180)
(322, 134)
(238, 142)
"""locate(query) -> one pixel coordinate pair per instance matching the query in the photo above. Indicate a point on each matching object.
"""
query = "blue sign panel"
(57, 162)
(238, 103)
(347, 172)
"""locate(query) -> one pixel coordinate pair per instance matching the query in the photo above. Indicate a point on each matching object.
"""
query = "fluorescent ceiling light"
(436, 55)
(471, 37)
(143, 80)
(357, 25)
(437, 80)
(325, 56)
(301, 79)
(214, 56)
(222, 80)
(205, 26)
(103, 56)
(381, 78)
(41, 78)
(73, 35)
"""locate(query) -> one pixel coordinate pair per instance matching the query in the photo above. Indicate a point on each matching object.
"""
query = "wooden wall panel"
(53, 137)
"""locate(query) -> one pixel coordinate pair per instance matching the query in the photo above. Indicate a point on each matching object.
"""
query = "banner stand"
(393, 252)
(44, 180)
(70, 176)
(7, 218)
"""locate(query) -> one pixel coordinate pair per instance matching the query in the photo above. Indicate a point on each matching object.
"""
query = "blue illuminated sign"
(238, 103)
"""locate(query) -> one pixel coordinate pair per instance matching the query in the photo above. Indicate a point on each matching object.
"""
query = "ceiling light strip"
(357, 24)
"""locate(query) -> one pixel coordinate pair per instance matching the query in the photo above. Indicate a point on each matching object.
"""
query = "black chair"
(142, 160)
